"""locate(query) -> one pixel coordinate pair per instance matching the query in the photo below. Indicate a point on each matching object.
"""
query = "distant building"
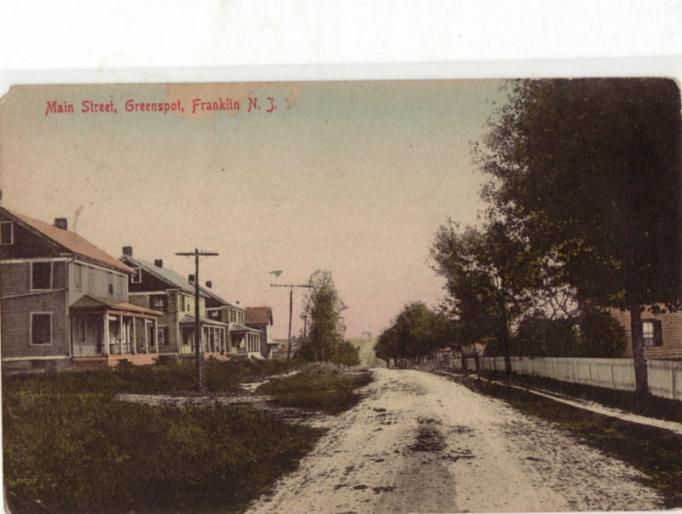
(662, 334)
(156, 287)
(243, 340)
(65, 301)
(261, 319)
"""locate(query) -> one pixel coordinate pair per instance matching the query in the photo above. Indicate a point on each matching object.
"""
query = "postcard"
(370, 296)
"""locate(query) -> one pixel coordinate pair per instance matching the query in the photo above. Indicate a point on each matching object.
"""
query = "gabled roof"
(258, 316)
(218, 299)
(172, 278)
(71, 242)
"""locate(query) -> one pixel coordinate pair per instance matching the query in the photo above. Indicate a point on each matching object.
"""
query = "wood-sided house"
(64, 301)
(244, 340)
(261, 319)
(662, 334)
(153, 286)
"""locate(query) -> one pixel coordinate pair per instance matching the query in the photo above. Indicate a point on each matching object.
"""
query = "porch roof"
(238, 327)
(187, 319)
(88, 302)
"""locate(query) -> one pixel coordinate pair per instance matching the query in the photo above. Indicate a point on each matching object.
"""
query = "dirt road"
(421, 443)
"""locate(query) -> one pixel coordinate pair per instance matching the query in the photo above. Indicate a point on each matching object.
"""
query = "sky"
(351, 177)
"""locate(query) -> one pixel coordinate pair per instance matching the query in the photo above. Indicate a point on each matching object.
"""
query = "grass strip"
(324, 389)
(175, 377)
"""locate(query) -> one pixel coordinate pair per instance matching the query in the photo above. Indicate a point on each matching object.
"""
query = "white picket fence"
(665, 377)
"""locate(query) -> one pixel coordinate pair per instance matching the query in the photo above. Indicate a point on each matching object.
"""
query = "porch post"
(155, 335)
(146, 335)
(134, 334)
(120, 334)
(105, 333)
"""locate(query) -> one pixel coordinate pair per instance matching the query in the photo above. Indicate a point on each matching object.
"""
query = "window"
(158, 302)
(111, 289)
(213, 314)
(136, 277)
(162, 336)
(41, 328)
(78, 277)
(652, 333)
(41, 275)
(81, 329)
(6, 233)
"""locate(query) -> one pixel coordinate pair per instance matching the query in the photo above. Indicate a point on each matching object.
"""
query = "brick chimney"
(190, 278)
(61, 223)
(127, 250)
(209, 284)
(158, 263)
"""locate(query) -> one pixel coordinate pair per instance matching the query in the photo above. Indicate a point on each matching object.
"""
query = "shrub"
(320, 386)
(601, 335)
(546, 338)
(346, 354)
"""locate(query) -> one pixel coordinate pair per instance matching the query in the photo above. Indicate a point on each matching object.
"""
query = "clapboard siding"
(27, 244)
(16, 325)
(671, 331)
(14, 278)
(95, 282)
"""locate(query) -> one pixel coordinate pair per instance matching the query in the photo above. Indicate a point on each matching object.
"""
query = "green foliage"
(416, 332)
(324, 388)
(323, 307)
(542, 337)
(174, 377)
(601, 335)
(345, 354)
(84, 453)
(594, 334)
(490, 275)
(590, 169)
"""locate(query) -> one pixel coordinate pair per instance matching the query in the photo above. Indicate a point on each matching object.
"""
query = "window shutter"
(658, 333)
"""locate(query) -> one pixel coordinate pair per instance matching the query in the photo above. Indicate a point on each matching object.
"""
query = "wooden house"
(662, 334)
(64, 301)
(153, 286)
(261, 319)
(243, 340)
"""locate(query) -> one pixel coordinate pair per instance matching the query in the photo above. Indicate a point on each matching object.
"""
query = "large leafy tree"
(490, 275)
(590, 169)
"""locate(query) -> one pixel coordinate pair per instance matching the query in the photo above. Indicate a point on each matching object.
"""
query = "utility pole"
(291, 309)
(198, 350)
(304, 317)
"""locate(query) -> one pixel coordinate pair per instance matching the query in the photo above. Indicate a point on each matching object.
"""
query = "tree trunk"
(504, 338)
(641, 379)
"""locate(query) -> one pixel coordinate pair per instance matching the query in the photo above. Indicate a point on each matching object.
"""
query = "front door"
(86, 334)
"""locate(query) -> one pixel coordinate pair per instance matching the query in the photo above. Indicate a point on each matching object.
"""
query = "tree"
(322, 306)
(589, 169)
(387, 345)
(489, 277)
(415, 332)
